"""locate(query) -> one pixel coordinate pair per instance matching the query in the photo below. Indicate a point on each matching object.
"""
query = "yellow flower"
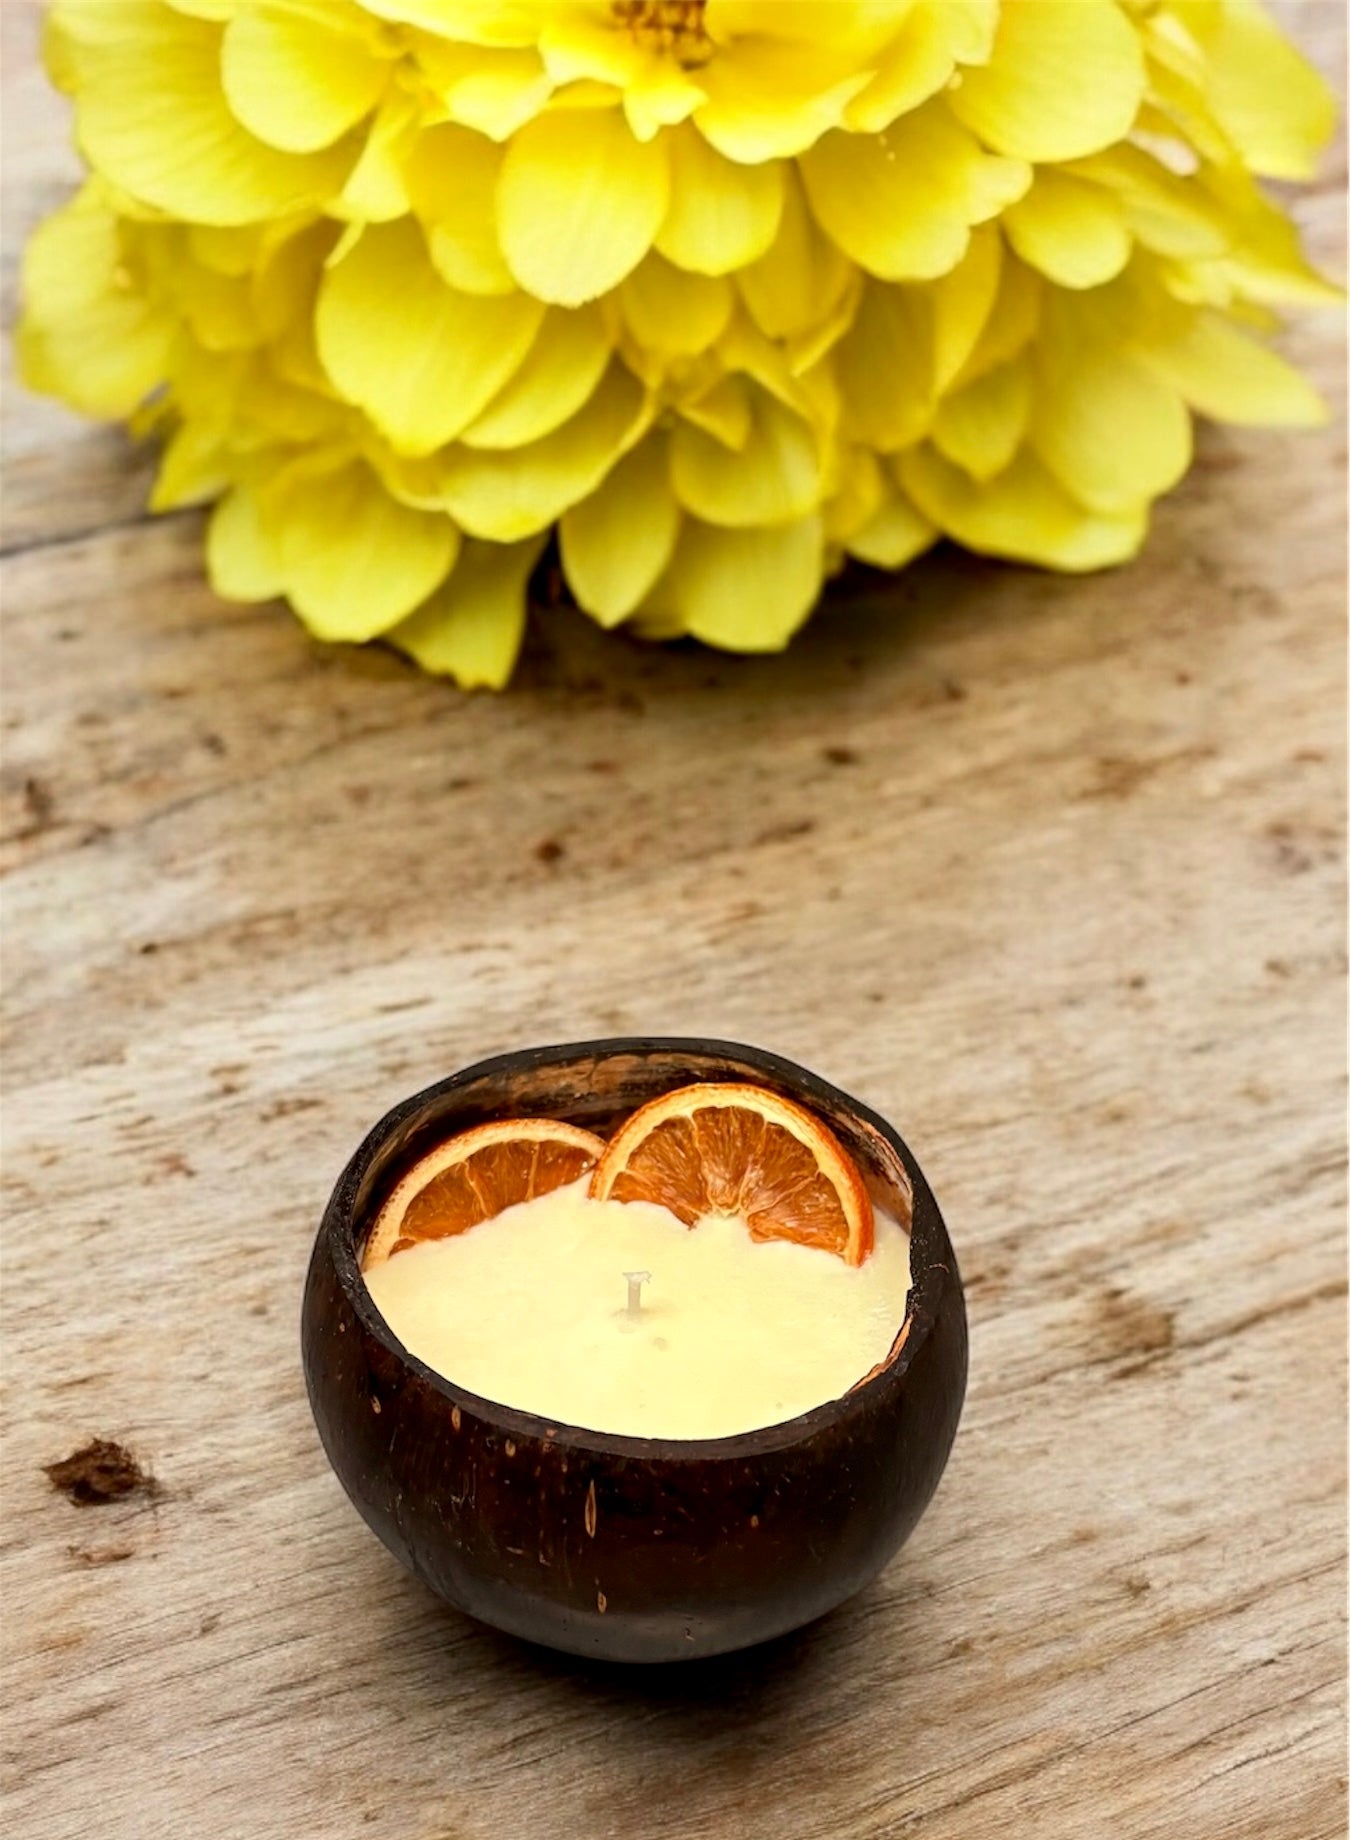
(716, 294)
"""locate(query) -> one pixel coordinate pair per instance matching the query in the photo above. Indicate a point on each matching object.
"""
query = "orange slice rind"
(476, 1174)
(739, 1150)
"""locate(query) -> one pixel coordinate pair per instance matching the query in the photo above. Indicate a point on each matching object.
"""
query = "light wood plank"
(1073, 917)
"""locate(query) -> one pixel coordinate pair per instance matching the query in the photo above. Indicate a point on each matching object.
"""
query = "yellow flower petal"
(822, 407)
(578, 204)
(500, 99)
(858, 485)
(219, 10)
(616, 542)
(581, 46)
(296, 82)
(775, 476)
(894, 534)
(414, 482)
(478, 22)
(206, 384)
(800, 279)
(493, 91)
(805, 350)
(916, 65)
(193, 469)
(1073, 232)
(721, 215)
(1023, 515)
(152, 116)
(671, 311)
(658, 626)
(585, 43)
(1164, 211)
(744, 590)
(229, 249)
(1009, 325)
(87, 334)
(242, 561)
(472, 627)
(1269, 100)
(505, 496)
(1176, 103)
(217, 309)
(722, 411)
(858, 28)
(1266, 260)
(1111, 430)
(981, 426)
(771, 101)
(885, 368)
(419, 357)
(902, 203)
(355, 562)
(375, 191)
(1066, 77)
(744, 349)
(73, 258)
(661, 101)
(268, 408)
(971, 26)
(451, 175)
(285, 288)
(103, 367)
(1224, 374)
(962, 302)
(563, 366)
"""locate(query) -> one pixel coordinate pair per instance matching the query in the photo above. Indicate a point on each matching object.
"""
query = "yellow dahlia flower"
(721, 292)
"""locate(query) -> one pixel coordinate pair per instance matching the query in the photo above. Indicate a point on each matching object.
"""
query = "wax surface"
(529, 1309)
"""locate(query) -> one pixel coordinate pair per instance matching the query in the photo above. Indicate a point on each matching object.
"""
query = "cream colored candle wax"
(545, 1307)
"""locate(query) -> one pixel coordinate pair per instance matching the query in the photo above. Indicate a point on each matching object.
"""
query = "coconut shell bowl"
(616, 1547)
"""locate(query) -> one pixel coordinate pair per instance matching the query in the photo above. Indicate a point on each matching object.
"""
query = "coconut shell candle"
(641, 1349)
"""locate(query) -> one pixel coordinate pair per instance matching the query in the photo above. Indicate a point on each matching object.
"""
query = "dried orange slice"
(742, 1151)
(475, 1175)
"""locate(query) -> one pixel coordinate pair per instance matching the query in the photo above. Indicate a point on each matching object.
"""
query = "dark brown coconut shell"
(629, 1549)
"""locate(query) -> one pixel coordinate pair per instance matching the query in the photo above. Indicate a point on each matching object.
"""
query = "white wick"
(636, 1280)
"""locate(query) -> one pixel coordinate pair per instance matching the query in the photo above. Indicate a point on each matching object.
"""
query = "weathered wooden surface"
(1069, 910)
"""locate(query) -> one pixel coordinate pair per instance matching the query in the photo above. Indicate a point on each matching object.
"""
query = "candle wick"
(636, 1280)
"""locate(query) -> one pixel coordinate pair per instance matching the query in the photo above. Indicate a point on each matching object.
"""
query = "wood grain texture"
(1049, 871)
